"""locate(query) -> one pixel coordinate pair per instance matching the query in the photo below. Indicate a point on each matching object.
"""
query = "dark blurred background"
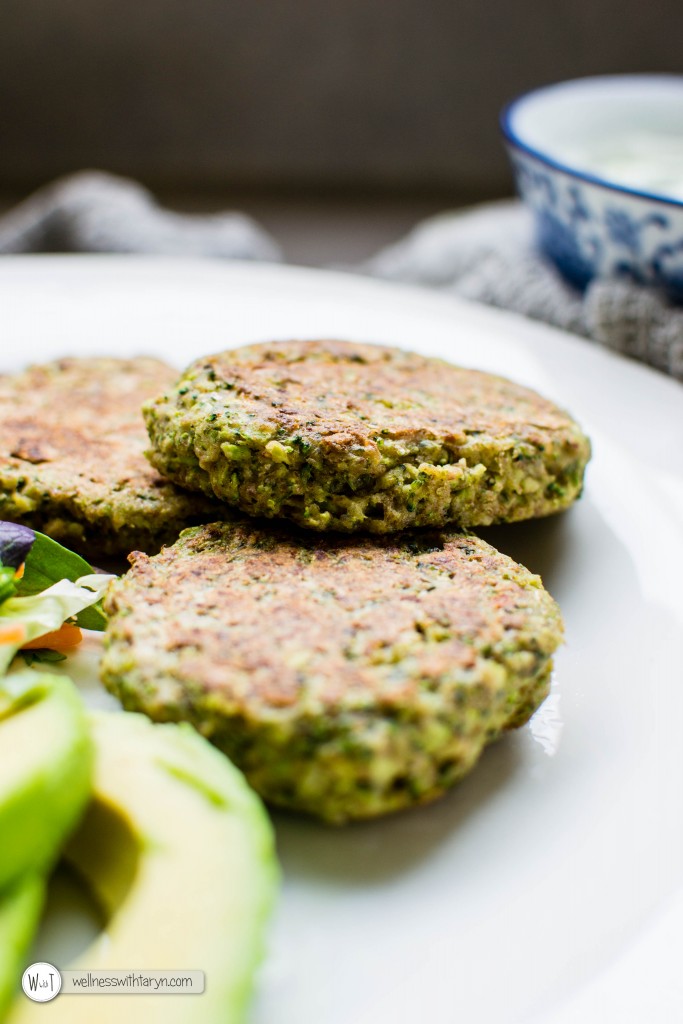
(337, 123)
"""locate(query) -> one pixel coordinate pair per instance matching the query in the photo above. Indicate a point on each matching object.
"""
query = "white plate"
(546, 886)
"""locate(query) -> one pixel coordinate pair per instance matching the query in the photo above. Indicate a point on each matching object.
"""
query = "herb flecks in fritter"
(347, 677)
(344, 436)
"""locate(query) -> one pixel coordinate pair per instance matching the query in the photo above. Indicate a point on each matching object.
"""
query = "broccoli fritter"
(72, 440)
(343, 436)
(346, 676)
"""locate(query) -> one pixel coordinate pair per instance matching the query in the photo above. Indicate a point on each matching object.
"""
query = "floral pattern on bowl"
(591, 229)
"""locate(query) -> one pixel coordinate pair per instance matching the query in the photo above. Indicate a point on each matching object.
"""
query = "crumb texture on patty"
(72, 463)
(347, 677)
(346, 436)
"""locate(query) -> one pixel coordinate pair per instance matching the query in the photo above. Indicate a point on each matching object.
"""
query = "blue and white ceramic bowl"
(600, 163)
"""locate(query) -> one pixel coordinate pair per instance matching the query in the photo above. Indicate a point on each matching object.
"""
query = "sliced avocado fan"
(180, 853)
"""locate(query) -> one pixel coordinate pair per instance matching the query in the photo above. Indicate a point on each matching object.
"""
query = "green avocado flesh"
(179, 853)
(20, 907)
(46, 769)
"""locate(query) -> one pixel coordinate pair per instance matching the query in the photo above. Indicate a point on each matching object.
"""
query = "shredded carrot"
(12, 633)
(62, 639)
(20, 571)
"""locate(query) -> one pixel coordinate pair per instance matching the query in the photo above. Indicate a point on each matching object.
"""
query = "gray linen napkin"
(485, 253)
(97, 212)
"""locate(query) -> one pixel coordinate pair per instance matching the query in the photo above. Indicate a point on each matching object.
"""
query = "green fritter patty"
(344, 436)
(347, 677)
(72, 463)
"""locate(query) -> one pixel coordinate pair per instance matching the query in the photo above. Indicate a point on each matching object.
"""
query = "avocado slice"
(180, 853)
(20, 907)
(46, 770)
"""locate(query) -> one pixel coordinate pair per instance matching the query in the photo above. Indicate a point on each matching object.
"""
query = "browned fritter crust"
(346, 677)
(346, 436)
(72, 462)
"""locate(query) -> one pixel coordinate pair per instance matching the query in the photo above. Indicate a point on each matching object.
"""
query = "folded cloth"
(487, 253)
(97, 212)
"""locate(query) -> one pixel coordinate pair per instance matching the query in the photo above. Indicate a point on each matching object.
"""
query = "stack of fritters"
(347, 675)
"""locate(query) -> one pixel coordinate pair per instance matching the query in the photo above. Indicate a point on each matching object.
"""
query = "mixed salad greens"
(47, 593)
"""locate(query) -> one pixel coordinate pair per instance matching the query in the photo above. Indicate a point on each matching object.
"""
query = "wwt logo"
(41, 982)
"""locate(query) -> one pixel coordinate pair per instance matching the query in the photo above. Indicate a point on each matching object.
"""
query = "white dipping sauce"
(646, 160)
